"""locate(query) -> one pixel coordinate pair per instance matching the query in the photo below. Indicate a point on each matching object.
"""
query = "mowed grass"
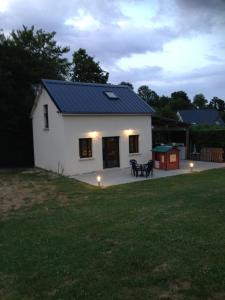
(156, 239)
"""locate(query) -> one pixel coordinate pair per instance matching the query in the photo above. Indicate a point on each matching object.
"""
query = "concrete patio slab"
(119, 176)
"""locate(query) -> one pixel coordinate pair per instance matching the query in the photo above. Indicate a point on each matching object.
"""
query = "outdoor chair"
(135, 168)
(132, 161)
(149, 168)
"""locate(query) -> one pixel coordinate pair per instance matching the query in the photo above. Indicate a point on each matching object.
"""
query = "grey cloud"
(107, 43)
(200, 15)
(207, 80)
(135, 75)
(52, 14)
(210, 87)
(214, 58)
(113, 43)
(193, 16)
(200, 74)
(110, 42)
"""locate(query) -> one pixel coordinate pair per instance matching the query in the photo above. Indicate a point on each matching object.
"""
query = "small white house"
(84, 127)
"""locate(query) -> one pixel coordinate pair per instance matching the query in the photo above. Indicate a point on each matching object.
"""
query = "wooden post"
(187, 154)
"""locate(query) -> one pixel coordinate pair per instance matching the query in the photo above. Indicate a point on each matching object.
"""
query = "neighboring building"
(200, 116)
(82, 127)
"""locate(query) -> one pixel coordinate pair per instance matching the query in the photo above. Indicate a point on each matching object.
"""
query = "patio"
(119, 176)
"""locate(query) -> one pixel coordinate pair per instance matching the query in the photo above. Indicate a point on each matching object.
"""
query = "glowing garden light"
(99, 179)
(191, 165)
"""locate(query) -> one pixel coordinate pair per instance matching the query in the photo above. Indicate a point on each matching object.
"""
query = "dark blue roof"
(90, 98)
(201, 116)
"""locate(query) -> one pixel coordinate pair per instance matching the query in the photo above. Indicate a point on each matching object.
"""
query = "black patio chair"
(132, 161)
(135, 168)
(149, 168)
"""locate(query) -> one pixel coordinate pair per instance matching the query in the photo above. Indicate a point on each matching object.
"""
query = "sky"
(169, 45)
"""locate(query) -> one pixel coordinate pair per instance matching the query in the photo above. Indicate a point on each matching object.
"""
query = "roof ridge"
(52, 81)
(197, 109)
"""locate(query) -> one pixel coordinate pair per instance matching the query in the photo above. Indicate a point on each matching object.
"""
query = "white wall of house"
(57, 149)
(48, 144)
(97, 127)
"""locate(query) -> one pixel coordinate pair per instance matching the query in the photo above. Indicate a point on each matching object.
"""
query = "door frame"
(118, 141)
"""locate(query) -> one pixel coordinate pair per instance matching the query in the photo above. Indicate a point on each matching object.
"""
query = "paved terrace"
(119, 176)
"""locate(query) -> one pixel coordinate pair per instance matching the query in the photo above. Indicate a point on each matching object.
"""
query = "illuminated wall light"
(93, 134)
(129, 131)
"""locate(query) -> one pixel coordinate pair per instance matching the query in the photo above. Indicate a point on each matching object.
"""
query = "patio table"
(142, 169)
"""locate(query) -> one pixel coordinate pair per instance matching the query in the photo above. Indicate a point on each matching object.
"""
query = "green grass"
(160, 239)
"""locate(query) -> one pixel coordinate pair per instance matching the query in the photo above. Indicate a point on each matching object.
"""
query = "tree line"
(168, 106)
(26, 56)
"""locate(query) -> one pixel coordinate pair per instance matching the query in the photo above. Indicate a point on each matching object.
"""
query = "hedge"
(208, 137)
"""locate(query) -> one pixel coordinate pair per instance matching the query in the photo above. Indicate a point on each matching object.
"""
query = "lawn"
(157, 239)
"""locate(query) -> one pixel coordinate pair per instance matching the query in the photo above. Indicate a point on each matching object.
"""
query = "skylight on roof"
(111, 95)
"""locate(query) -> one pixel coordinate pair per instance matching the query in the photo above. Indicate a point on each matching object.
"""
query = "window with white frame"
(85, 147)
(133, 143)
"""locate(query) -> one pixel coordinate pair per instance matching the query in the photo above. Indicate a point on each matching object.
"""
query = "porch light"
(99, 178)
(129, 132)
(93, 134)
(191, 165)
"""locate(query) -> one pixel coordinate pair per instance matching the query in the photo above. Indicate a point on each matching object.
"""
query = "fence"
(212, 154)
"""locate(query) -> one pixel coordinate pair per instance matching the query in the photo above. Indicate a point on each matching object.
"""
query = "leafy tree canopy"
(164, 101)
(166, 112)
(199, 101)
(145, 93)
(180, 100)
(44, 56)
(85, 69)
(127, 83)
(148, 95)
(217, 103)
(26, 56)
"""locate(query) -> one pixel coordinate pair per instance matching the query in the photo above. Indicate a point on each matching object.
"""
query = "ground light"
(191, 165)
(99, 178)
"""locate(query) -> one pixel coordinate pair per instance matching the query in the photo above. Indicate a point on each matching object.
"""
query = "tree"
(199, 101)
(127, 83)
(166, 112)
(45, 57)
(145, 93)
(180, 100)
(217, 103)
(148, 95)
(26, 56)
(164, 101)
(85, 69)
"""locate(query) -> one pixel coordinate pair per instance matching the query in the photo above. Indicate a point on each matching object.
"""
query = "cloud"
(112, 42)
(200, 15)
(109, 34)
(135, 74)
(208, 80)
(98, 26)
(214, 58)
(83, 22)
